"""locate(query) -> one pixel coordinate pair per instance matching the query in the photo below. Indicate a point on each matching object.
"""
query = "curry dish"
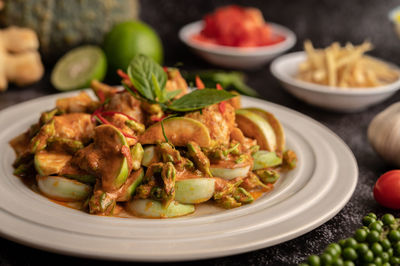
(153, 149)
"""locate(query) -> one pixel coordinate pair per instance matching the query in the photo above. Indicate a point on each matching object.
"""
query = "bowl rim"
(194, 27)
(363, 91)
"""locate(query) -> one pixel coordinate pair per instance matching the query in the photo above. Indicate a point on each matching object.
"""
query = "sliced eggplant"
(265, 159)
(254, 126)
(179, 131)
(63, 189)
(229, 173)
(194, 190)
(128, 189)
(154, 209)
(50, 163)
(150, 155)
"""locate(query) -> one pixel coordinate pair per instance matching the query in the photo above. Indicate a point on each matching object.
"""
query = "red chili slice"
(219, 87)
(222, 107)
(199, 83)
(122, 74)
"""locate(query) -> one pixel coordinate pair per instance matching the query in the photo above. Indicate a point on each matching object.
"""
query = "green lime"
(128, 39)
(77, 68)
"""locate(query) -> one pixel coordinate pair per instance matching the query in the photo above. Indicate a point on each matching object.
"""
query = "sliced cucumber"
(131, 184)
(153, 209)
(194, 190)
(150, 155)
(264, 159)
(77, 68)
(230, 173)
(63, 189)
(179, 131)
(50, 163)
(115, 170)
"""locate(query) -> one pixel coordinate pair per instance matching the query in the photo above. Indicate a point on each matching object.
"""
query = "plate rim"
(299, 232)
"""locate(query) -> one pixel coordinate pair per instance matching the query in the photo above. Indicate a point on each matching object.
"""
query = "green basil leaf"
(199, 99)
(157, 90)
(171, 94)
(140, 72)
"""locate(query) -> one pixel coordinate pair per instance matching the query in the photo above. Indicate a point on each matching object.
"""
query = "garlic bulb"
(384, 134)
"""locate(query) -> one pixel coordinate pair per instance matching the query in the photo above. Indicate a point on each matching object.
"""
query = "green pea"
(349, 253)
(385, 257)
(368, 220)
(373, 215)
(396, 249)
(377, 248)
(368, 256)
(334, 252)
(394, 235)
(388, 219)
(326, 259)
(314, 260)
(386, 243)
(335, 246)
(304, 264)
(360, 235)
(394, 260)
(390, 252)
(337, 261)
(362, 248)
(342, 242)
(373, 236)
(351, 242)
(376, 226)
(386, 264)
(378, 261)
(348, 263)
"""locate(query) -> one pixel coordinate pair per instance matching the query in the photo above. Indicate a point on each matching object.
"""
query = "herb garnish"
(149, 80)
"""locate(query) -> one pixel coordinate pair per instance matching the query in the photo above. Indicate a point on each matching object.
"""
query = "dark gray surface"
(322, 22)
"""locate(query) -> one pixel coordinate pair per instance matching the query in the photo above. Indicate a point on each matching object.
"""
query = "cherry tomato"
(387, 189)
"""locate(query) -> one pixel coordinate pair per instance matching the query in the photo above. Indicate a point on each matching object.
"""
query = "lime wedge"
(77, 68)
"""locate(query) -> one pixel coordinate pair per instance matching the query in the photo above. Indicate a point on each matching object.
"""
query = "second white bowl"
(286, 67)
(234, 57)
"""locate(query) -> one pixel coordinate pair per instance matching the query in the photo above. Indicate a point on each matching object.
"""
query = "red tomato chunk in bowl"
(238, 27)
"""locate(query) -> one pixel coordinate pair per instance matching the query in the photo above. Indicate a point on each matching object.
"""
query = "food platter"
(305, 198)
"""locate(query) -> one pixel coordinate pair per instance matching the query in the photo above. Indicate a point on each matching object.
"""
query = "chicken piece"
(127, 104)
(75, 126)
(82, 103)
(235, 101)
(121, 122)
(220, 124)
(176, 82)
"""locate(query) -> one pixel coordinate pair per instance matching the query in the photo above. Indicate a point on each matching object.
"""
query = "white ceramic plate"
(241, 58)
(305, 198)
(285, 69)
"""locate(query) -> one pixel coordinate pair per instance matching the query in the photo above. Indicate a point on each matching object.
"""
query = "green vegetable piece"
(150, 155)
(199, 158)
(133, 181)
(50, 163)
(242, 196)
(267, 176)
(68, 145)
(194, 190)
(169, 153)
(153, 209)
(265, 159)
(39, 142)
(102, 203)
(63, 189)
(168, 175)
(45, 117)
(289, 160)
(199, 99)
(85, 178)
(137, 156)
(228, 202)
(136, 126)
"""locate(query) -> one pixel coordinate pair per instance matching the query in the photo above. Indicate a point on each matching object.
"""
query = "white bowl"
(285, 68)
(233, 57)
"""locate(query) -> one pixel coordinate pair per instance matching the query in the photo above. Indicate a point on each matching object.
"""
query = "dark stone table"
(322, 21)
